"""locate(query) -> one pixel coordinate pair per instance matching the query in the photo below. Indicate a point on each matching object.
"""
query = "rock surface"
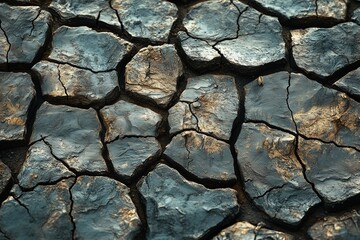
(176, 207)
(153, 72)
(350, 83)
(16, 94)
(203, 156)
(5, 176)
(356, 16)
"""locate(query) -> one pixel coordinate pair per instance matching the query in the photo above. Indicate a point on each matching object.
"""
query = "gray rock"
(146, 19)
(70, 85)
(323, 51)
(127, 119)
(356, 16)
(203, 156)
(129, 153)
(5, 176)
(247, 231)
(85, 48)
(153, 72)
(207, 96)
(17, 93)
(72, 135)
(96, 11)
(177, 208)
(103, 209)
(25, 30)
(350, 83)
(272, 173)
(39, 214)
(333, 170)
(345, 226)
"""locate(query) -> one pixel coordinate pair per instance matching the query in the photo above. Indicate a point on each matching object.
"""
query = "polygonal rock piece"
(334, 171)
(272, 173)
(324, 51)
(103, 209)
(350, 83)
(16, 94)
(127, 119)
(207, 96)
(39, 214)
(129, 153)
(247, 231)
(267, 101)
(96, 11)
(41, 166)
(345, 226)
(5, 176)
(324, 113)
(76, 86)
(87, 48)
(203, 156)
(356, 16)
(25, 30)
(293, 9)
(146, 19)
(176, 207)
(72, 134)
(154, 72)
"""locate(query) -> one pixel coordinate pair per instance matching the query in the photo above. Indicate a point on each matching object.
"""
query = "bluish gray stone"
(350, 83)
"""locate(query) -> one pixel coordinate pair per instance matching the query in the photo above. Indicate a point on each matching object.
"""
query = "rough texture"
(16, 93)
(176, 207)
(272, 173)
(350, 83)
(203, 156)
(323, 51)
(153, 72)
(103, 209)
(356, 16)
(5, 176)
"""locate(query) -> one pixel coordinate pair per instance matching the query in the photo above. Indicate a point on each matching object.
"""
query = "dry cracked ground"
(154, 119)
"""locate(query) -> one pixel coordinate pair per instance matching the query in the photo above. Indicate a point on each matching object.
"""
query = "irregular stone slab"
(272, 173)
(17, 93)
(356, 16)
(207, 96)
(345, 226)
(41, 166)
(334, 171)
(5, 176)
(103, 209)
(350, 83)
(146, 19)
(308, 9)
(267, 101)
(247, 231)
(324, 113)
(129, 153)
(96, 11)
(72, 135)
(25, 30)
(176, 207)
(203, 156)
(75, 86)
(324, 51)
(153, 72)
(39, 214)
(127, 119)
(89, 49)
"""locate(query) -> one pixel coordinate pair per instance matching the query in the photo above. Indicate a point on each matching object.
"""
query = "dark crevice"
(269, 190)
(62, 84)
(33, 24)
(8, 41)
(17, 199)
(80, 67)
(71, 210)
(4, 234)
(47, 183)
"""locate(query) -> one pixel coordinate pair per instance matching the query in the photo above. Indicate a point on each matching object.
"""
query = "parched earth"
(204, 119)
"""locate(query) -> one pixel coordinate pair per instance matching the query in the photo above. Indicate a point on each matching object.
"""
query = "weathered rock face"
(39, 214)
(201, 106)
(176, 207)
(17, 92)
(350, 83)
(345, 226)
(85, 48)
(272, 173)
(153, 72)
(72, 135)
(103, 209)
(323, 51)
(243, 36)
(356, 16)
(203, 156)
(146, 19)
(75, 86)
(23, 32)
(5, 176)
(247, 231)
